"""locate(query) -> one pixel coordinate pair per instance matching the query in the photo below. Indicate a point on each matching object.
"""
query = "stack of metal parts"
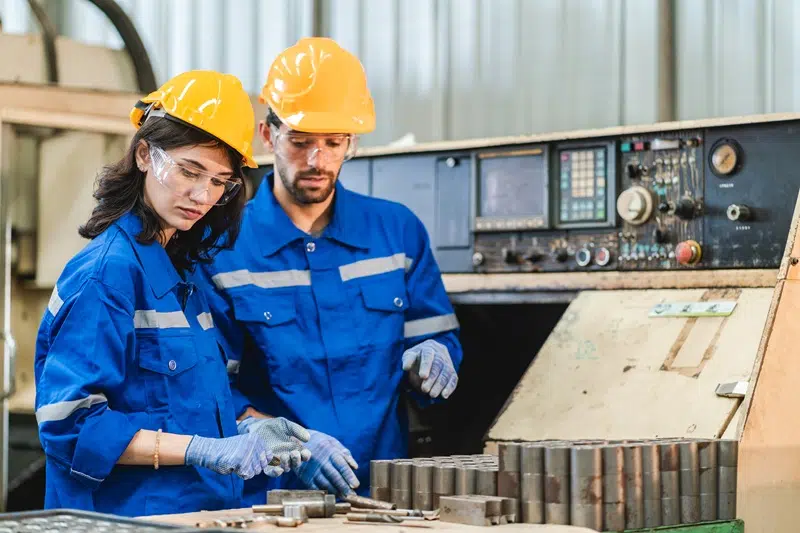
(603, 485)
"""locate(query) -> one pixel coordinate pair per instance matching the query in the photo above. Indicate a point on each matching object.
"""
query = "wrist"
(194, 449)
(244, 426)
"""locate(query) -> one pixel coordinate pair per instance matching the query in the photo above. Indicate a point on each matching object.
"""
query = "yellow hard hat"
(211, 101)
(316, 86)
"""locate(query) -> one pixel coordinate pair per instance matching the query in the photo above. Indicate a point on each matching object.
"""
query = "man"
(331, 298)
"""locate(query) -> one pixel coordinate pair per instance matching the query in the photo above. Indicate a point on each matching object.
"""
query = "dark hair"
(273, 119)
(120, 189)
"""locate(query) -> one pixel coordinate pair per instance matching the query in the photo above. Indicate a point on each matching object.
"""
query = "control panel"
(713, 197)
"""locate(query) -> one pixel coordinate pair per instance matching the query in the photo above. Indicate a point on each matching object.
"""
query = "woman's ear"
(142, 156)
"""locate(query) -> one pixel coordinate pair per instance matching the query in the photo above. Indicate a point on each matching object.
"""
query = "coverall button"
(310, 247)
(172, 364)
(267, 315)
(398, 302)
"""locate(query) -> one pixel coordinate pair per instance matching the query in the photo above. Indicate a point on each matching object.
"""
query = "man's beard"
(304, 195)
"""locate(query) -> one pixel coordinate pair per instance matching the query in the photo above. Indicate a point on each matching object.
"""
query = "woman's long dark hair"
(120, 188)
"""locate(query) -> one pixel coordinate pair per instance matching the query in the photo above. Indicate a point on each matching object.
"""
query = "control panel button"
(477, 259)
(738, 213)
(686, 209)
(560, 255)
(602, 256)
(688, 252)
(583, 257)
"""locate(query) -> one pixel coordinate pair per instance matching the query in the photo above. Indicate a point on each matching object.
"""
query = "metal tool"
(315, 507)
(298, 512)
(245, 522)
(276, 496)
(360, 502)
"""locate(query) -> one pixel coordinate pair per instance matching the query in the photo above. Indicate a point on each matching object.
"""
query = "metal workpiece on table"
(728, 452)
(314, 507)
(689, 481)
(508, 455)
(486, 481)
(444, 482)
(586, 486)
(532, 498)
(360, 502)
(531, 458)
(728, 460)
(465, 480)
(613, 488)
(462, 510)
(709, 477)
(380, 487)
(298, 512)
(651, 484)
(276, 496)
(400, 478)
(421, 485)
(634, 491)
(670, 483)
(556, 485)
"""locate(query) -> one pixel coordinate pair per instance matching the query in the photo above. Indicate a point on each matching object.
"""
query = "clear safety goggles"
(203, 187)
(314, 147)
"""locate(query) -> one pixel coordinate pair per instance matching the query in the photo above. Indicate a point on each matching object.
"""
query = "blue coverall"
(320, 324)
(125, 345)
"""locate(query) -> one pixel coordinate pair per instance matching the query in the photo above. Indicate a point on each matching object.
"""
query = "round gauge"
(726, 157)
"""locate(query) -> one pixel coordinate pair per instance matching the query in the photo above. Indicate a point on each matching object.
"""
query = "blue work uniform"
(319, 324)
(125, 345)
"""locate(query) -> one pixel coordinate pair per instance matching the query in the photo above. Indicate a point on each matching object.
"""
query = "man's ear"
(265, 133)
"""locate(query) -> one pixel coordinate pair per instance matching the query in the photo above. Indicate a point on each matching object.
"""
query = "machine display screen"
(514, 188)
(582, 185)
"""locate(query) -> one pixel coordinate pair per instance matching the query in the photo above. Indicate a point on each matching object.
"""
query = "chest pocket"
(170, 368)
(385, 303)
(272, 321)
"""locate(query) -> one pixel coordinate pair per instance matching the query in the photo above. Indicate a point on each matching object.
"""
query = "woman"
(133, 403)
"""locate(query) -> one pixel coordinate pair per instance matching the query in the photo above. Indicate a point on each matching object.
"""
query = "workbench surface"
(340, 524)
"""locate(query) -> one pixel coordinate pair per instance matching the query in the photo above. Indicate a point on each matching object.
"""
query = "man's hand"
(330, 467)
(283, 438)
(430, 369)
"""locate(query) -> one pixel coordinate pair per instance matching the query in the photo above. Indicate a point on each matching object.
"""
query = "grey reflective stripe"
(55, 302)
(409, 262)
(87, 476)
(61, 410)
(149, 318)
(233, 366)
(374, 266)
(265, 280)
(206, 320)
(429, 326)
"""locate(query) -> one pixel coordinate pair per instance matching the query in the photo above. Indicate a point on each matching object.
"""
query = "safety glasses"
(202, 187)
(314, 147)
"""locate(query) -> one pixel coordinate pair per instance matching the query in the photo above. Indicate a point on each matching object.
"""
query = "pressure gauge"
(726, 157)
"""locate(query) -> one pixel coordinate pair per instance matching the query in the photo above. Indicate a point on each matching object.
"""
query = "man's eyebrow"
(201, 166)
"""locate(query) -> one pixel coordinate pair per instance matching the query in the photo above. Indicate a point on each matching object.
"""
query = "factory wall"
(454, 69)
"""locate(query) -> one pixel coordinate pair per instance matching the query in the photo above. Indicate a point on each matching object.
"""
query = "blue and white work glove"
(430, 369)
(244, 455)
(284, 438)
(330, 467)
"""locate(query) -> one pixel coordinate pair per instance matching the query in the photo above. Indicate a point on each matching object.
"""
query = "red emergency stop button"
(688, 252)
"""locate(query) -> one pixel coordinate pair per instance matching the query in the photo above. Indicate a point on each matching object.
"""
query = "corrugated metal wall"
(453, 69)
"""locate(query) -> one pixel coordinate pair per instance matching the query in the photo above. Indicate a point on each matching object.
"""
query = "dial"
(726, 157)
(635, 205)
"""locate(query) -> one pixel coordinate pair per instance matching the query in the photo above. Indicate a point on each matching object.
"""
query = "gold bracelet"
(155, 454)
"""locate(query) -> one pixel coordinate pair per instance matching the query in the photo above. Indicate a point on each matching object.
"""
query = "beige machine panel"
(65, 202)
(610, 371)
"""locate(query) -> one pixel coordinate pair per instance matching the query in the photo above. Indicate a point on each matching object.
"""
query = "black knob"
(634, 171)
(560, 255)
(534, 256)
(510, 256)
(660, 236)
(738, 213)
(663, 207)
(686, 209)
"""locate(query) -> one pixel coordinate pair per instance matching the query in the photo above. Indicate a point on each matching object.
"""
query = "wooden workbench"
(339, 524)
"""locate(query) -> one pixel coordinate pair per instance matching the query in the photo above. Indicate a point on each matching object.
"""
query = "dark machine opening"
(500, 341)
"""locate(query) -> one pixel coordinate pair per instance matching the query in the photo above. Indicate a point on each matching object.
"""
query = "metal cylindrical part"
(728, 461)
(532, 498)
(651, 485)
(508, 456)
(634, 494)
(422, 485)
(531, 458)
(465, 479)
(556, 485)
(728, 453)
(380, 487)
(613, 516)
(690, 482)
(298, 512)
(586, 487)
(670, 484)
(613, 488)
(444, 480)
(343, 508)
(486, 482)
(401, 484)
(708, 460)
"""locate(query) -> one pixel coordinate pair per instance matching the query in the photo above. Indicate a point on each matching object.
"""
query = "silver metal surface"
(556, 485)
(634, 494)
(690, 482)
(531, 459)
(709, 471)
(465, 480)
(651, 484)
(508, 456)
(486, 482)
(359, 502)
(670, 483)
(298, 512)
(736, 389)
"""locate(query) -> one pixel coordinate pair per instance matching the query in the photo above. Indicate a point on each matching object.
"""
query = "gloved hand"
(431, 369)
(330, 467)
(245, 455)
(284, 438)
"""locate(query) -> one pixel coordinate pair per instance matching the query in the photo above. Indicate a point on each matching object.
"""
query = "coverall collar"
(277, 229)
(161, 273)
